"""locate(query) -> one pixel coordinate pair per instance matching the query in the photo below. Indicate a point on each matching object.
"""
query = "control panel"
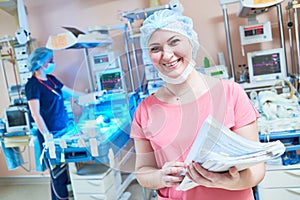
(251, 34)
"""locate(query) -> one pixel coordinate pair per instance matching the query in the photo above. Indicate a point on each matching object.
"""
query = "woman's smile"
(170, 52)
(172, 64)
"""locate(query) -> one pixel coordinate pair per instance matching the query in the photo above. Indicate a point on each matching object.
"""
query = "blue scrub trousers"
(59, 177)
(59, 182)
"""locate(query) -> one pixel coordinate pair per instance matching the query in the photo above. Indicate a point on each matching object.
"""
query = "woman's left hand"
(225, 180)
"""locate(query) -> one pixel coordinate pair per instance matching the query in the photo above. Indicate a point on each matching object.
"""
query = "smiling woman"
(166, 123)
(172, 56)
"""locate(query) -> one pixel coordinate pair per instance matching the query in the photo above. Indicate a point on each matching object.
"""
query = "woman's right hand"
(172, 173)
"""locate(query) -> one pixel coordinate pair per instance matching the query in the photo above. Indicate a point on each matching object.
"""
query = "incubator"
(103, 125)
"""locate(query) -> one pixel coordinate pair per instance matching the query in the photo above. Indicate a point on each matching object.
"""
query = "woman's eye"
(174, 41)
(155, 49)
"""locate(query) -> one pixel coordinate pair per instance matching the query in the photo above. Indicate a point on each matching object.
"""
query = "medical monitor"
(110, 80)
(17, 119)
(266, 65)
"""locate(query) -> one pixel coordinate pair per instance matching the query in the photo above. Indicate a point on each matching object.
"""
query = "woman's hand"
(172, 173)
(226, 180)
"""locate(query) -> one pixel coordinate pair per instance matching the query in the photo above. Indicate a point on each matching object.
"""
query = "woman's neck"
(194, 80)
(40, 75)
(195, 86)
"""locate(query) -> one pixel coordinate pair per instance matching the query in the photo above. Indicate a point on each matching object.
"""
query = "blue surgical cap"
(171, 20)
(38, 57)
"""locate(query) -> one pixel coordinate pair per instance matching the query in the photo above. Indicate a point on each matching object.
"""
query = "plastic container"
(206, 62)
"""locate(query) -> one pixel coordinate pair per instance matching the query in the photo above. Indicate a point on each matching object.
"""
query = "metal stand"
(128, 59)
(11, 57)
(290, 27)
(89, 69)
(136, 65)
(295, 7)
(280, 23)
(228, 39)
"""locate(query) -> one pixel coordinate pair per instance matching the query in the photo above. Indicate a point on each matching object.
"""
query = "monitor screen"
(17, 119)
(266, 65)
(111, 81)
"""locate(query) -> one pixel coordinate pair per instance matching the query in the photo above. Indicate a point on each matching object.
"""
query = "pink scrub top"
(171, 130)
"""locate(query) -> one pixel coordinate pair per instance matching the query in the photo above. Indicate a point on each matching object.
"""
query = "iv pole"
(228, 37)
(295, 6)
(290, 27)
(280, 24)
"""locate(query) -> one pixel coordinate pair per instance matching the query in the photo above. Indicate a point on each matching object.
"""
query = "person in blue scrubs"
(44, 93)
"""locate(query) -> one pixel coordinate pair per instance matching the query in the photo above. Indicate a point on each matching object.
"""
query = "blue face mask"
(50, 68)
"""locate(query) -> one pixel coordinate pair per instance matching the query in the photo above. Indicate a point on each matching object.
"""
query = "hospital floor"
(39, 189)
(34, 191)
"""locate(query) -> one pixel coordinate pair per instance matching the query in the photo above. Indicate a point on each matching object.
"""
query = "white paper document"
(218, 149)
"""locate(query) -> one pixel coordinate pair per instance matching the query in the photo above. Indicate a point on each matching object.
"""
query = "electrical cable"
(10, 53)
(29, 158)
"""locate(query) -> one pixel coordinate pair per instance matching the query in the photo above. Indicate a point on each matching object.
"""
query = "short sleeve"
(137, 127)
(32, 90)
(244, 111)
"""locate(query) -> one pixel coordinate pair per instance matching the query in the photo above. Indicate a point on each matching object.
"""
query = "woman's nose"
(167, 53)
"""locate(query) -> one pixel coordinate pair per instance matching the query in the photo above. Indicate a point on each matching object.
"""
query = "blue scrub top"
(52, 107)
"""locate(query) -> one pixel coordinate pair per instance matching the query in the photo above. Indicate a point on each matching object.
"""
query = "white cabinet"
(101, 186)
(280, 182)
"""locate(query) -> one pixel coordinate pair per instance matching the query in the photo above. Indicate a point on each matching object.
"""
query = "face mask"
(180, 79)
(50, 68)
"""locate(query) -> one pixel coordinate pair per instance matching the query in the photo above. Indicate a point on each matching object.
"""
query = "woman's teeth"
(171, 64)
